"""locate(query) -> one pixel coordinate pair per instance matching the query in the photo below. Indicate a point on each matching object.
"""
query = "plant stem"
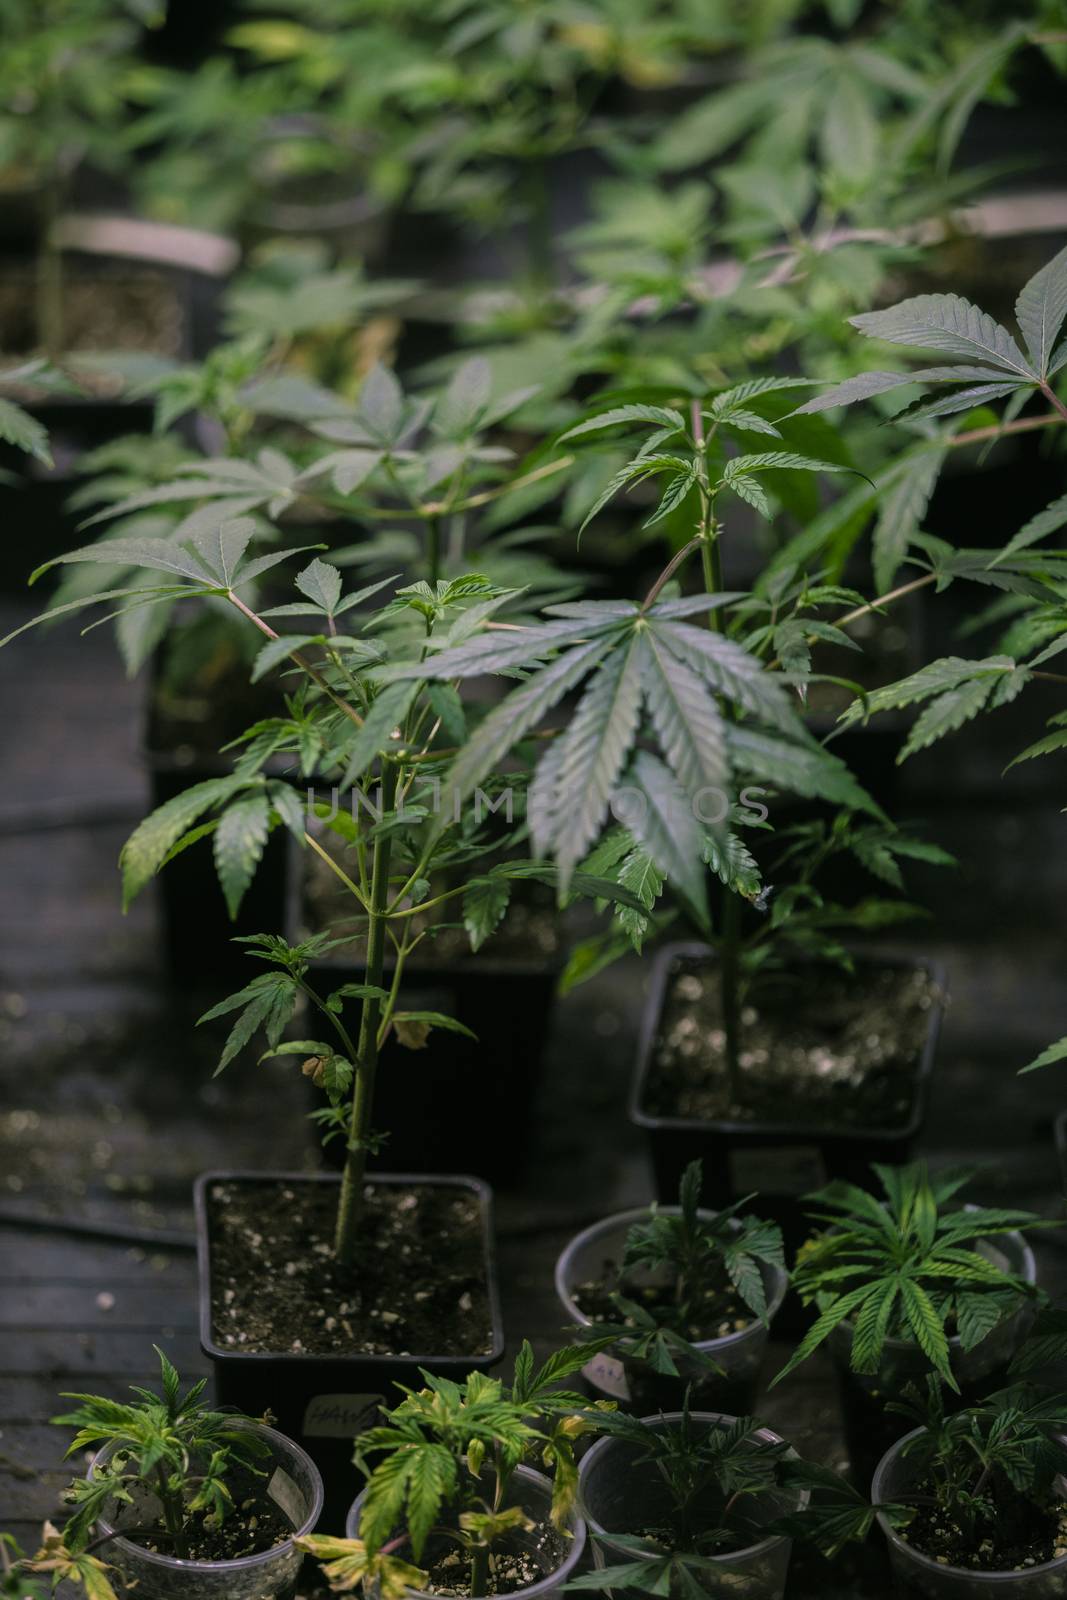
(350, 1205)
(49, 275)
(538, 230)
(998, 429)
(730, 932)
(479, 1571)
(171, 1514)
(433, 548)
(1053, 398)
(668, 572)
(301, 660)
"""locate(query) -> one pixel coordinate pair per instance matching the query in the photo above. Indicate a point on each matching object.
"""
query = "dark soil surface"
(419, 1288)
(120, 310)
(542, 1550)
(1022, 1535)
(720, 1310)
(255, 1525)
(839, 1049)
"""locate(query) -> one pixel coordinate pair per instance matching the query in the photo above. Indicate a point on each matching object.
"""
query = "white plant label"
(340, 1416)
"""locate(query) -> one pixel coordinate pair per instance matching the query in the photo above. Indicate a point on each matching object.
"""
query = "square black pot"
(778, 1159)
(323, 1402)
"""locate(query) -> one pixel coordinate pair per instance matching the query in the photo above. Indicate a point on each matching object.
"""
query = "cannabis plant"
(172, 1444)
(972, 1470)
(906, 1265)
(713, 1491)
(15, 1584)
(1026, 576)
(693, 1255)
(442, 1466)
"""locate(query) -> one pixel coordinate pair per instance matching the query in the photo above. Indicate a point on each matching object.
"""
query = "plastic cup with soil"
(620, 1495)
(869, 1428)
(325, 1347)
(1025, 1555)
(726, 1330)
(448, 1099)
(534, 1563)
(250, 1557)
(835, 1070)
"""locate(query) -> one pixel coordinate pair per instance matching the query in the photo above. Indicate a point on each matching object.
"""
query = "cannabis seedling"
(182, 1452)
(694, 1256)
(906, 1265)
(970, 1470)
(443, 1464)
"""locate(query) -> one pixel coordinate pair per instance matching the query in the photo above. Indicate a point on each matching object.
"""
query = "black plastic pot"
(619, 1494)
(464, 1102)
(781, 1161)
(323, 1402)
(917, 1574)
(631, 1385)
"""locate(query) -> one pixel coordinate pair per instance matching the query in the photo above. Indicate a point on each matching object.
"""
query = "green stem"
(730, 932)
(49, 284)
(433, 548)
(539, 227)
(350, 1205)
(479, 1571)
(172, 1515)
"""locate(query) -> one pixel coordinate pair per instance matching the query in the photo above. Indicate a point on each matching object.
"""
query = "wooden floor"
(107, 1107)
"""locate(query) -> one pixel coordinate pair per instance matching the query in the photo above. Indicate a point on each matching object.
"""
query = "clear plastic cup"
(292, 1481)
(618, 1496)
(738, 1354)
(557, 1558)
(917, 1574)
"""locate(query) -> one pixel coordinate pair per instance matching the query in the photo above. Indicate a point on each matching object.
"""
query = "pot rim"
(785, 1133)
(927, 1563)
(565, 1568)
(665, 1418)
(241, 1563)
(625, 1219)
(338, 1360)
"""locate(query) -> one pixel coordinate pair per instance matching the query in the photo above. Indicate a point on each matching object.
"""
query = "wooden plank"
(41, 1257)
(42, 1351)
(101, 1304)
(30, 1397)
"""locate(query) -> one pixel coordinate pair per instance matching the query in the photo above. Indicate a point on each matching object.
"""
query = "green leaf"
(507, 723)
(434, 1019)
(1050, 520)
(147, 847)
(1041, 308)
(731, 671)
(591, 754)
(24, 431)
(321, 582)
(664, 416)
(777, 460)
(662, 821)
(687, 721)
(239, 841)
(1048, 1057)
(905, 494)
(385, 714)
(947, 713)
(946, 322)
(158, 555)
(978, 1314)
(275, 651)
(484, 903)
(461, 406)
(806, 770)
(928, 1329)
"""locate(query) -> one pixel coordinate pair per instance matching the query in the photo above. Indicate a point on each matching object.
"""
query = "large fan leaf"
(239, 841)
(661, 819)
(1041, 308)
(687, 721)
(594, 749)
(947, 322)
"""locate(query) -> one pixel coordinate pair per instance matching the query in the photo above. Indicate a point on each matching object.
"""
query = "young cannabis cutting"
(441, 1467)
(174, 1447)
(676, 1270)
(906, 1264)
